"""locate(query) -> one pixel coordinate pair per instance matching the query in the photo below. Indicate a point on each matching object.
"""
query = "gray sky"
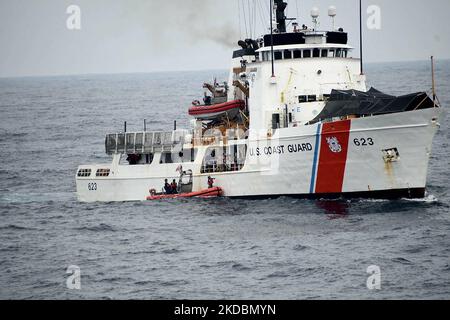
(156, 35)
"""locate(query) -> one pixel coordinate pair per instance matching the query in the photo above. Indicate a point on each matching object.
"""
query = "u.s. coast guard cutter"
(295, 118)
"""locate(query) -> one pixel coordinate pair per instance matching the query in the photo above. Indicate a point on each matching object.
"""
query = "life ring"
(152, 192)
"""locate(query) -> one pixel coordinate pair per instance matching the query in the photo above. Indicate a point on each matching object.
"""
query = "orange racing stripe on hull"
(333, 156)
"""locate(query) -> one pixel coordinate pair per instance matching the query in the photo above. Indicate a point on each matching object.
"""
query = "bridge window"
(316, 53)
(287, 54)
(298, 54)
(278, 55)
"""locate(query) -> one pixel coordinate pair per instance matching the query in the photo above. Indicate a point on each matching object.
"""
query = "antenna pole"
(433, 81)
(271, 38)
(361, 36)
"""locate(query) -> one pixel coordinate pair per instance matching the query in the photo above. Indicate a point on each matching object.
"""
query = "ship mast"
(280, 7)
(277, 17)
(361, 36)
(271, 39)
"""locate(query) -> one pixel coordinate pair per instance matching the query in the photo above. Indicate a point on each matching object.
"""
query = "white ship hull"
(308, 128)
(382, 156)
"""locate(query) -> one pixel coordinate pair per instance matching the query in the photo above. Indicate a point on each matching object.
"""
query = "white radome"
(332, 11)
(315, 12)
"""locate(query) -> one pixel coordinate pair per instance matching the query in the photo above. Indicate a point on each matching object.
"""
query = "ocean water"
(198, 249)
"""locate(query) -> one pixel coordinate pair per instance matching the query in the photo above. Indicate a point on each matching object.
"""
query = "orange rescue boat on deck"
(214, 111)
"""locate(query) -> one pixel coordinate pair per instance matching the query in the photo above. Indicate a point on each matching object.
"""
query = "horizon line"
(173, 71)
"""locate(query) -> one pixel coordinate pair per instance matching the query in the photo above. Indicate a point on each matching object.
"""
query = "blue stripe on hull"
(316, 155)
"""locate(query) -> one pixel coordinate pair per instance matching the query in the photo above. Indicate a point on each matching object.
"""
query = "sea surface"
(198, 249)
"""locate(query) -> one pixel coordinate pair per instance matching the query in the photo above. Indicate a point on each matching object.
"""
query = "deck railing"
(143, 142)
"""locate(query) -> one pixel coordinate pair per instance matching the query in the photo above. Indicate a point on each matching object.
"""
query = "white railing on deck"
(143, 142)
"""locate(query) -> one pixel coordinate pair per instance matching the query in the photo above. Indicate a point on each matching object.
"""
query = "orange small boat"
(207, 193)
(229, 109)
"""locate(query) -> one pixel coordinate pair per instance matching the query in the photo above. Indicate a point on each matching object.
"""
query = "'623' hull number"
(363, 142)
(92, 186)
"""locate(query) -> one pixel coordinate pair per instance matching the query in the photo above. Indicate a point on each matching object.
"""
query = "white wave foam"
(428, 199)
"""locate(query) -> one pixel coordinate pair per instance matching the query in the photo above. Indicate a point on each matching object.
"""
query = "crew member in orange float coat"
(210, 182)
(174, 187)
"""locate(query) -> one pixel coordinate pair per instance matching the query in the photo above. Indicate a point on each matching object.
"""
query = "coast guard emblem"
(333, 144)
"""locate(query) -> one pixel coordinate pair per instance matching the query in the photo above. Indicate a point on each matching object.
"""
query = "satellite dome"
(315, 12)
(332, 11)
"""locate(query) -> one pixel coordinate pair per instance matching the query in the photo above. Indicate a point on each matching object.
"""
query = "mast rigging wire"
(249, 18)
(239, 17)
(245, 19)
(262, 16)
(249, 10)
(254, 17)
(267, 8)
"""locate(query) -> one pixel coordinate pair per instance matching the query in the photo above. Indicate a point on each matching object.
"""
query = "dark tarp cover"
(282, 39)
(337, 37)
(344, 103)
